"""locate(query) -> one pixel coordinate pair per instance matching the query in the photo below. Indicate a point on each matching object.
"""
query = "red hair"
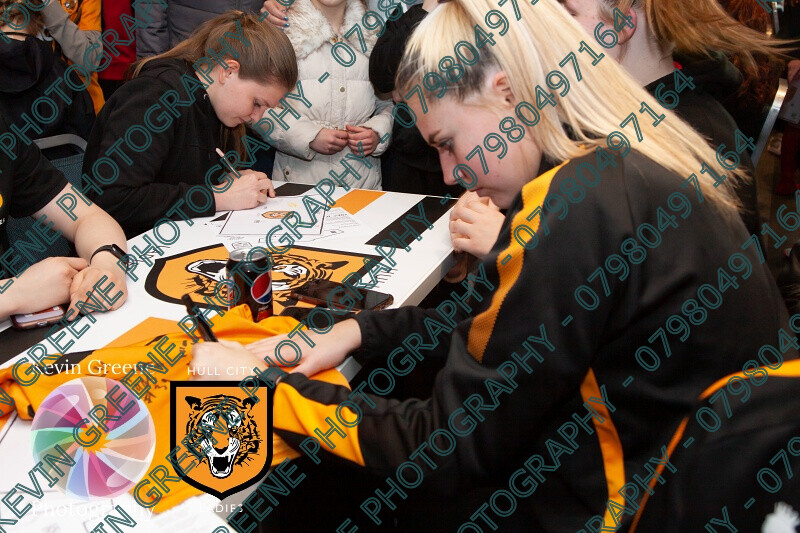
(698, 27)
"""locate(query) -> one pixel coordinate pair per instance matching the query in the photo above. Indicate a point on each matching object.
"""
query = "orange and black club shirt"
(593, 355)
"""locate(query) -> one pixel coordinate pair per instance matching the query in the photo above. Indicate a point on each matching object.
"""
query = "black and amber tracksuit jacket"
(595, 352)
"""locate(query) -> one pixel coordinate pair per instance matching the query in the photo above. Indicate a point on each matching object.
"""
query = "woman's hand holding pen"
(247, 191)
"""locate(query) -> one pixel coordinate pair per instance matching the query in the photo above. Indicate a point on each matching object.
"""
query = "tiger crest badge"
(226, 432)
(198, 271)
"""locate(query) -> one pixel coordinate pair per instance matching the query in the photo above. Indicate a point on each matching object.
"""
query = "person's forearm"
(297, 142)
(381, 123)
(8, 304)
(74, 42)
(137, 203)
(96, 230)
(380, 332)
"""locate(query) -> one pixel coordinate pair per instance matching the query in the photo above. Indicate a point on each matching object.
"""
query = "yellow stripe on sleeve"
(533, 195)
(297, 414)
(610, 448)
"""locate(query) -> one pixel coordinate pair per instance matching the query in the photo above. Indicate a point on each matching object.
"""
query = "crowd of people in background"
(351, 111)
(738, 70)
(232, 67)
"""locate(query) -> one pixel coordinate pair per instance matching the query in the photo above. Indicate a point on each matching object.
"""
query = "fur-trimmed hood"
(309, 29)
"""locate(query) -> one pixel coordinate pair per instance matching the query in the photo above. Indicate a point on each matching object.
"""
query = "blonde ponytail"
(593, 108)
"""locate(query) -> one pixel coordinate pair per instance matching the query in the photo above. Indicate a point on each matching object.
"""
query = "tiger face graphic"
(207, 272)
(275, 215)
(198, 272)
(289, 271)
(225, 421)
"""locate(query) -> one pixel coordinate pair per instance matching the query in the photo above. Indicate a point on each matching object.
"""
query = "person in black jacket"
(197, 112)
(31, 186)
(410, 164)
(651, 55)
(28, 67)
(574, 350)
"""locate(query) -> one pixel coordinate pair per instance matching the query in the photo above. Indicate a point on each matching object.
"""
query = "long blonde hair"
(267, 55)
(593, 108)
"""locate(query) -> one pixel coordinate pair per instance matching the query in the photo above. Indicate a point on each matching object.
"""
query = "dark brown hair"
(36, 22)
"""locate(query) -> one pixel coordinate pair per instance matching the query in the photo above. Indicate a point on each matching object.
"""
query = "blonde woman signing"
(698, 36)
(344, 115)
(611, 283)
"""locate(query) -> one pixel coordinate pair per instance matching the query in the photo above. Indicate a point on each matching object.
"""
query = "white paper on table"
(15, 435)
(338, 218)
(336, 224)
(235, 242)
(262, 219)
(322, 236)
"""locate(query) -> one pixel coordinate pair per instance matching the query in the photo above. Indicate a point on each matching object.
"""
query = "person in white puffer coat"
(344, 108)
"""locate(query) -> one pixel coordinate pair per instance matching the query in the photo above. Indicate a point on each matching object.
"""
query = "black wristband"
(111, 248)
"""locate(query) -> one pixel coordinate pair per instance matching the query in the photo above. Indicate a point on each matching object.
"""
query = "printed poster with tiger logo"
(228, 434)
(197, 272)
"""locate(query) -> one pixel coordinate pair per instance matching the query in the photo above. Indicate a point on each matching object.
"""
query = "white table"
(414, 275)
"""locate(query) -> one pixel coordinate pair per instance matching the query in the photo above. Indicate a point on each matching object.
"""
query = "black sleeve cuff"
(370, 346)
